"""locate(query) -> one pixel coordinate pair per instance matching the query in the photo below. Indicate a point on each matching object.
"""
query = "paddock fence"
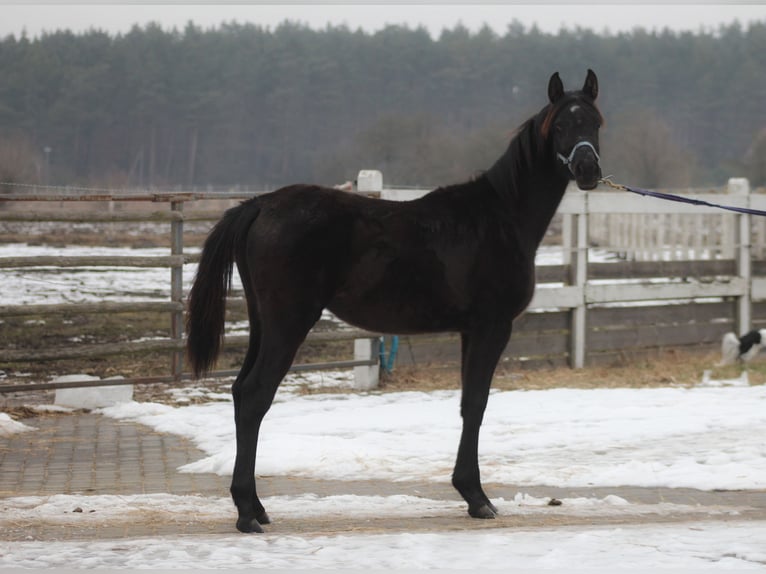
(104, 209)
(637, 275)
(595, 303)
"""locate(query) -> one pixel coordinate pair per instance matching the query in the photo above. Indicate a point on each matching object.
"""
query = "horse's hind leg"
(254, 342)
(247, 367)
(481, 351)
(254, 395)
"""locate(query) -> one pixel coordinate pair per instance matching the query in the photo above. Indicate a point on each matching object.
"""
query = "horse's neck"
(539, 204)
(532, 194)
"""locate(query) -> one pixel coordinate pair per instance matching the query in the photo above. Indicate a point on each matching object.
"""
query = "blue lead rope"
(680, 199)
(388, 362)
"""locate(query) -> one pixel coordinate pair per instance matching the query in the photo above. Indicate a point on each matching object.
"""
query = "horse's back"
(306, 237)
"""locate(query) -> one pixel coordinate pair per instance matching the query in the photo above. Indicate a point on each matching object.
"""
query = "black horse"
(461, 259)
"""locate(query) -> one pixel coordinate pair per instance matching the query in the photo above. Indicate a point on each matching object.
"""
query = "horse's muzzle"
(586, 169)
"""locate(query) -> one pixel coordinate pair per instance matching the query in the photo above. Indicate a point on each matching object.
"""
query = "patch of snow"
(8, 426)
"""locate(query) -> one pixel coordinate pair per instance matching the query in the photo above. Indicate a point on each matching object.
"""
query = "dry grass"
(667, 369)
(663, 369)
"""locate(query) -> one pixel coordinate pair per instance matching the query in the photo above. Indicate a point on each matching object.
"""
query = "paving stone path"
(86, 453)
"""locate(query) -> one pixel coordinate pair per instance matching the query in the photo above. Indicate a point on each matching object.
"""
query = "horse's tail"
(207, 298)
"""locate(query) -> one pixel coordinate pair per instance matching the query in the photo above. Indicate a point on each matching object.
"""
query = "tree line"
(245, 105)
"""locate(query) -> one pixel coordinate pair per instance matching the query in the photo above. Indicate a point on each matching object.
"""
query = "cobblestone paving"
(85, 453)
(92, 454)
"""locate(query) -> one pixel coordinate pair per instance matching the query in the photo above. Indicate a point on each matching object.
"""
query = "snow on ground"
(702, 438)
(705, 546)
(705, 437)
(8, 426)
(110, 510)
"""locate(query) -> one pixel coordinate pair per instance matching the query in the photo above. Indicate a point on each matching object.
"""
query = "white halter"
(568, 160)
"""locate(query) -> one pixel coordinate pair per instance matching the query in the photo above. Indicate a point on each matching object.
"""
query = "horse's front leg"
(480, 354)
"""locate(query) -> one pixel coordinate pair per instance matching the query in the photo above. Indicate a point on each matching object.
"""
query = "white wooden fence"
(672, 236)
(586, 215)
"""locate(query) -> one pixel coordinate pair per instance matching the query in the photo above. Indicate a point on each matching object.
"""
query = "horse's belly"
(408, 314)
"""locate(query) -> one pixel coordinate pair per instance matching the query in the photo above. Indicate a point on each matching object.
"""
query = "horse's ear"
(555, 88)
(590, 87)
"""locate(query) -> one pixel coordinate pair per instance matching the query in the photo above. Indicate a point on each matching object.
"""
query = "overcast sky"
(613, 17)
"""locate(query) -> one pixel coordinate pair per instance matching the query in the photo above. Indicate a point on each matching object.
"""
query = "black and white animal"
(743, 348)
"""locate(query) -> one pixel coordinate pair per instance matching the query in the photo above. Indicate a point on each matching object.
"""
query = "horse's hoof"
(487, 510)
(249, 525)
(263, 518)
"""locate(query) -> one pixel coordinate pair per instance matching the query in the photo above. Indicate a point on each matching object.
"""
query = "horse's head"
(571, 126)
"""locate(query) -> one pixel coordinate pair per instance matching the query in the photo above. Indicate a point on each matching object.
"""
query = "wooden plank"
(758, 289)
(556, 297)
(551, 273)
(104, 195)
(89, 351)
(234, 341)
(758, 267)
(646, 336)
(94, 217)
(661, 314)
(535, 321)
(445, 349)
(92, 261)
(83, 308)
(609, 202)
(570, 296)
(427, 349)
(735, 287)
(538, 345)
(647, 269)
(623, 356)
(574, 202)
(156, 345)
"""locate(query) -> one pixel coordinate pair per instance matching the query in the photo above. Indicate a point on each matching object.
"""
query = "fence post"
(741, 186)
(366, 376)
(176, 288)
(578, 276)
(567, 238)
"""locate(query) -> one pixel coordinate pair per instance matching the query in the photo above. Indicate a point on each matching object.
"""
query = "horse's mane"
(526, 143)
